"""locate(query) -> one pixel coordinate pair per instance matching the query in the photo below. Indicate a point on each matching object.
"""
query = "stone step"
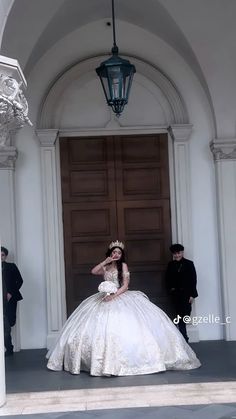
(120, 397)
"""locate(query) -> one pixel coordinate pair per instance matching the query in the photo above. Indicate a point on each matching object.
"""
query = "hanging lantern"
(116, 75)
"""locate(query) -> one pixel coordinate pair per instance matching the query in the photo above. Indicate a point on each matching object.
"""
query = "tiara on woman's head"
(117, 244)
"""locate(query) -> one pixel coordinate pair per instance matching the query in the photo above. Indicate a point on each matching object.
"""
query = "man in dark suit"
(181, 281)
(11, 283)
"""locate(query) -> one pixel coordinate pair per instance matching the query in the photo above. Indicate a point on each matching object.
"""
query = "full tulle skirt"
(125, 336)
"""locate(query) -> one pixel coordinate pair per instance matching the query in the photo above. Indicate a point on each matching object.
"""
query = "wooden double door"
(116, 188)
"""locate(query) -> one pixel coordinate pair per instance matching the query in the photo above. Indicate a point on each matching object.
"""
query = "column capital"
(47, 137)
(8, 156)
(13, 104)
(223, 149)
(180, 132)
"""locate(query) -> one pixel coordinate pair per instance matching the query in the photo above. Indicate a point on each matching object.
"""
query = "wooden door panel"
(82, 283)
(115, 188)
(89, 211)
(141, 182)
(143, 210)
(142, 167)
(89, 183)
(146, 253)
(90, 220)
(88, 227)
(88, 150)
(148, 217)
(134, 149)
(147, 235)
(87, 169)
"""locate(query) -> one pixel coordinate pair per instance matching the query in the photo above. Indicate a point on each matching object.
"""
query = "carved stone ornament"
(223, 149)
(13, 108)
(8, 157)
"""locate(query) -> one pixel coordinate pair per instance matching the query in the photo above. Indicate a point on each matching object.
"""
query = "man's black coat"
(11, 283)
(12, 280)
(181, 279)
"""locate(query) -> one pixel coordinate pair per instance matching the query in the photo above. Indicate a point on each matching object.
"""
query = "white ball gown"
(128, 335)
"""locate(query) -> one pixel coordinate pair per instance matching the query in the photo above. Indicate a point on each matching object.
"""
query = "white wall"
(30, 241)
(151, 49)
(209, 27)
(5, 7)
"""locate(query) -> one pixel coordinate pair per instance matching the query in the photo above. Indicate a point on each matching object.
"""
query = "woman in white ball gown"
(119, 333)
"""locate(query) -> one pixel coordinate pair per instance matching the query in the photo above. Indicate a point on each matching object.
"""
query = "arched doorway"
(116, 187)
(74, 107)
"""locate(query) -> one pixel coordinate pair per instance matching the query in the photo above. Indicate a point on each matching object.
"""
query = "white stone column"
(180, 135)
(8, 155)
(2, 350)
(182, 227)
(13, 115)
(53, 237)
(224, 152)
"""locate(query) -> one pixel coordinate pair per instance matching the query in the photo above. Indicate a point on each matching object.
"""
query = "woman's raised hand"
(109, 259)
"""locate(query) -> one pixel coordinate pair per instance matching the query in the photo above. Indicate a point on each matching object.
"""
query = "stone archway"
(173, 106)
(171, 116)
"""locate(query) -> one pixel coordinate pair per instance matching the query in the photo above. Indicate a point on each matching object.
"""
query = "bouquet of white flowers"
(108, 287)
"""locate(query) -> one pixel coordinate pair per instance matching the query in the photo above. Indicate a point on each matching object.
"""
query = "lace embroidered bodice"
(112, 276)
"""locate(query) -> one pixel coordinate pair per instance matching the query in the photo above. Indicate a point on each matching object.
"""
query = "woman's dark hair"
(118, 262)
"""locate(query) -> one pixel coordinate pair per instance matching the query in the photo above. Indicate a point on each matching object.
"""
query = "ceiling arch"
(173, 103)
(33, 28)
(45, 23)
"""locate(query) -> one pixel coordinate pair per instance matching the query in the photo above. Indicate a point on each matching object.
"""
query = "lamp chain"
(115, 48)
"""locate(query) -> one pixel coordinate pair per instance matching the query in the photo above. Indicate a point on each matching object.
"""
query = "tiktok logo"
(177, 319)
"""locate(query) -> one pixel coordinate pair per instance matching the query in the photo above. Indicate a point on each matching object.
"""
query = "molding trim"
(181, 201)
(55, 277)
(180, 136)
(223, 149)
(47, 137)
(224, 153)
(181, 132)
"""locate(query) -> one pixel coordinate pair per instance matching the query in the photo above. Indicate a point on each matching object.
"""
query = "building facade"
(182, 93)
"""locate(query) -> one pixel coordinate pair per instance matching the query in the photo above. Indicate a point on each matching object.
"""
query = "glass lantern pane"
(106, 87)
(128, 85)
(116, 82)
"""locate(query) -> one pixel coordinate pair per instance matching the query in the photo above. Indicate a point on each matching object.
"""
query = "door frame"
(180, 202)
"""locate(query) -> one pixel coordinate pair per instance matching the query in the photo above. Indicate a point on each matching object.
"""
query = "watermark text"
(208, 319)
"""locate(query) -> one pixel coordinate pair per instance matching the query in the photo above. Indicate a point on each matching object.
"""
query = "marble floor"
(208, 392)
(220, 411)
